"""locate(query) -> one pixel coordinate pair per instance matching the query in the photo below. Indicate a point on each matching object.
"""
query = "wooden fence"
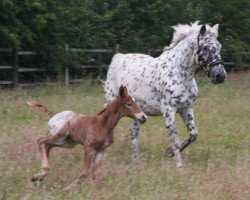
(16, 69)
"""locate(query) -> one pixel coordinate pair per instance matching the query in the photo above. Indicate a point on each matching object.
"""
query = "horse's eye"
(129, 104)
(205, 48)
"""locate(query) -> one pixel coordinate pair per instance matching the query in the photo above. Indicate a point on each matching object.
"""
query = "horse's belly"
(151, 110)
(149, 102)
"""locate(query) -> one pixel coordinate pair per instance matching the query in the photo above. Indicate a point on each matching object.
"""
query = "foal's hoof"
(170, 152)
(68, 188)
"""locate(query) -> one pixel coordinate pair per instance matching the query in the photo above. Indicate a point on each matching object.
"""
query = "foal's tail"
(41, 108)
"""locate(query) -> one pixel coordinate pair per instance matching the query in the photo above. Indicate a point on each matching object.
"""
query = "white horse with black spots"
(165, 85)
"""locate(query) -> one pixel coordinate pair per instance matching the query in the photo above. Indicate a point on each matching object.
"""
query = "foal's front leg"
(88, 157)
(188, 118)
(96, 164)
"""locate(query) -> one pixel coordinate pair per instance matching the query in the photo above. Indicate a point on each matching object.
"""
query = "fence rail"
(5, 67)
(67, 79)
(16, 69)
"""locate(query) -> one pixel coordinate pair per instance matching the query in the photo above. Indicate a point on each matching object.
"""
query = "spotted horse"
(165, 85)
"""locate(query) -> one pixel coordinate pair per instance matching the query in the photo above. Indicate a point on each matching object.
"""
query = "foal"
(95, 132)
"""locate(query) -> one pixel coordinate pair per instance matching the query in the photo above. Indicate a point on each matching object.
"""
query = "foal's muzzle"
(141, 117)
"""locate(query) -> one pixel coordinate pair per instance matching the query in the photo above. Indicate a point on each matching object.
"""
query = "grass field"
(216, 166)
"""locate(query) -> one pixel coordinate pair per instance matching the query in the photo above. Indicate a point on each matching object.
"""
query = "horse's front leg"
(188, 118)
(134, 144)
(174, 149)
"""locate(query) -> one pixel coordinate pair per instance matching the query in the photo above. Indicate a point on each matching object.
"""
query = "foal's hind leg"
(188, 118)
(134, 144)
(45, 145)
(44, 149)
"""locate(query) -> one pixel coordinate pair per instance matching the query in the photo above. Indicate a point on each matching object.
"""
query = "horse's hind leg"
(188, 118)
(134, 144)
(45, 145)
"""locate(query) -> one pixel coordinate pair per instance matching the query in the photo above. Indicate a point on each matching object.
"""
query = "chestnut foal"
(95, 132)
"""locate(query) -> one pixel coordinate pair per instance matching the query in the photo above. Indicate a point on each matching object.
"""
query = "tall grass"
(216, 166)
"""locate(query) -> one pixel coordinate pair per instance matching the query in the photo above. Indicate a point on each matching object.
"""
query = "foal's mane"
(107, 106)
(104, 109)
(182, 31)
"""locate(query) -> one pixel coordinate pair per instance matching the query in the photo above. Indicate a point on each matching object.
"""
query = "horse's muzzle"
(219, 79)
(218, 74)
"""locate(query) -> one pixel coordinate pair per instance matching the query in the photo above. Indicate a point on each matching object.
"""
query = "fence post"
(116, 48)
(15, 67)
(66, 76)
(66, 70)
(149, 52)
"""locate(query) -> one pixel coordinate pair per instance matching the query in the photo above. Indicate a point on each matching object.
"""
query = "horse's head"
(209, 54)
(129, 107)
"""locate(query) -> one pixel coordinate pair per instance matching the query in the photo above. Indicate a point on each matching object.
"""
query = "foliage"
(46, 26)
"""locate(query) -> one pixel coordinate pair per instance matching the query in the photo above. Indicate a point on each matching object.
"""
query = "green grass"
(216, 166)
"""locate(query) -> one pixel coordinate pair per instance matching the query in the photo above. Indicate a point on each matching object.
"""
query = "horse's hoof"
(170, 152)
(33, 179)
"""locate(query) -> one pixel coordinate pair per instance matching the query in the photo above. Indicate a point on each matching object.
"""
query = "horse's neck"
(111, 115)
(183, 56)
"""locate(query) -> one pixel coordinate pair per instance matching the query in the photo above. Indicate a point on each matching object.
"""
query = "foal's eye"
(129, 104)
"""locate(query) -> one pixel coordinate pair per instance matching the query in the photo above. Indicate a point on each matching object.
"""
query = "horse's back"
(137, 72)
(129, 69)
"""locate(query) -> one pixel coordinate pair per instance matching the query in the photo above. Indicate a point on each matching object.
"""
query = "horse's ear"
(215, 29)
(203, 30)
(123, 91)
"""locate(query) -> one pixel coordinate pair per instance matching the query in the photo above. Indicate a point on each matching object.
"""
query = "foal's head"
(129, 107)
(209, 54)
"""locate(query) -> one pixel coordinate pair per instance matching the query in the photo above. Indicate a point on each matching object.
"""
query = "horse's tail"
(102, 81)
(41, 108)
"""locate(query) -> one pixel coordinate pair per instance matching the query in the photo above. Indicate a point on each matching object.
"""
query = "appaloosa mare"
(166, 85)
(94, 132)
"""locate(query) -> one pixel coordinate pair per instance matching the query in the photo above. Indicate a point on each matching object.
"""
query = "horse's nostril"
(220, 78)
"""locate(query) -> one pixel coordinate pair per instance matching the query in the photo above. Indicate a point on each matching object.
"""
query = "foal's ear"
(203, 30)
(123, 91)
